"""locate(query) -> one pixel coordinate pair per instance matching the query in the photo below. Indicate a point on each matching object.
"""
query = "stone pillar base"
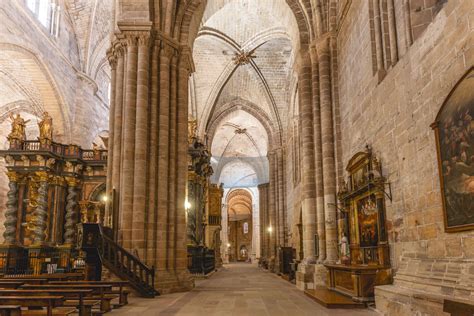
(173, 281)
(320, 275)
(305, 276)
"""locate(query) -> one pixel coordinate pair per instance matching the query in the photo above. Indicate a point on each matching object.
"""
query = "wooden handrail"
(125, 264)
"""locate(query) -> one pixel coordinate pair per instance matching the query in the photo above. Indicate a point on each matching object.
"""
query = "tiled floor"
(237, 289)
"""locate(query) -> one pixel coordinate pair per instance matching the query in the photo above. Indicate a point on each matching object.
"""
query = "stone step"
(332, 299)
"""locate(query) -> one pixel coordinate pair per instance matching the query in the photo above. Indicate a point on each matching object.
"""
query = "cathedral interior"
(237, 157)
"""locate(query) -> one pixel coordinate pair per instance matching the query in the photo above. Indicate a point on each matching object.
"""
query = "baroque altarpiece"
(52, 188)
(363, 242)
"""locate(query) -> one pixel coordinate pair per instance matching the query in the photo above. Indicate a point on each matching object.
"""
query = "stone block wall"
(394, 117)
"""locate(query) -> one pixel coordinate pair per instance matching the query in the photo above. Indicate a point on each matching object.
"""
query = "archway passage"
(239, 229)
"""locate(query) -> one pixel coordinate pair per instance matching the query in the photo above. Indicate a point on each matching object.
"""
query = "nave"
(238, 289)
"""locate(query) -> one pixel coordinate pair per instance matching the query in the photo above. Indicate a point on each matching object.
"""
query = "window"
(47, 13)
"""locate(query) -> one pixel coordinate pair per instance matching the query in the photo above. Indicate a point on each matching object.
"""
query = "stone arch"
(274, 136)
(49, 98)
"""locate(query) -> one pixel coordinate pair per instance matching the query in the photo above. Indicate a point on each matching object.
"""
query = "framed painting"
(454, 129)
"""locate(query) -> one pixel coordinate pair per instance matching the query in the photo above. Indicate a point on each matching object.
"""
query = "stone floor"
(236, 289)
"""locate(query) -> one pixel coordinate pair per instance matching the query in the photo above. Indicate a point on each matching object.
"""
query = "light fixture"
(187, 205)
(104, 198)
(269, 229)
(228, 245)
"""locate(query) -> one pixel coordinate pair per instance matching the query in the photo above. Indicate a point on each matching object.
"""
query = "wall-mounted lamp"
(228, 245)
(269, 229)
(187, 205)
(104, 198)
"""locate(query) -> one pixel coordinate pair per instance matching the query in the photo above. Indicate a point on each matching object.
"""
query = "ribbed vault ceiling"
(268, 31)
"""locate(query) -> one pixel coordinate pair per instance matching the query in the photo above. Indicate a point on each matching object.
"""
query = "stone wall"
(394, 116)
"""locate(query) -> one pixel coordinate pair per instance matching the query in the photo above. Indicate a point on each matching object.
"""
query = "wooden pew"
(72, 276)
(99, 290)
(73, 298)
(26, 281)
(48, 301)
(123, 294)
(10, 310)
(10, 284)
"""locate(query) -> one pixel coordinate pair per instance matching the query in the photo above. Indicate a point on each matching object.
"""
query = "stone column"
(128, 155)
(320, 221)
(282, 238)
(263, 201)
(327, 136)
(309, 187)
(141, 145)
(272, 229)
(151, 224)
(11, 213)
(71, 211)
(40, 214)
(117, 95)
(110, 146)
(381, 72)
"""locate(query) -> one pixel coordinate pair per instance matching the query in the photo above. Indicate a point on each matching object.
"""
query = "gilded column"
(40, 214)
(71, 211)
(309, 186)
(11, 213)
(327, 136)
(141, 144)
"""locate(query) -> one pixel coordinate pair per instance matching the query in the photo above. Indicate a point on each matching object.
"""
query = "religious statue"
(18, 128)
(344, 249)
(192, 129)
(46, 128)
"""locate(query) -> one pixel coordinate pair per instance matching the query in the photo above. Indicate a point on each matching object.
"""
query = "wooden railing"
(67, 151)
(126, 265)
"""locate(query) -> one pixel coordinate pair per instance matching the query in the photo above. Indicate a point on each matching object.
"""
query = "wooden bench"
(10, 310)
(48, 301)
(98, 291)
(73, 276)
(10, 284)
(26, 281)
(75, 298)
(123, 293)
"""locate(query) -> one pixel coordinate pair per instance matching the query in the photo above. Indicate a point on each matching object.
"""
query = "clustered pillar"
(147, 157)
(319, 174)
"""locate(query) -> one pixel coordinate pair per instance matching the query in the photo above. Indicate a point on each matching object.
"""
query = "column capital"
(72, 181)
(43, 176)
(14, 176)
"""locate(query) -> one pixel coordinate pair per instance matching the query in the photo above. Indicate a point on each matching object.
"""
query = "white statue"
(344, 244)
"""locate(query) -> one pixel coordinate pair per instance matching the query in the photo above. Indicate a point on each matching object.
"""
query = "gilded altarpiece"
(363, 244)
(48, 184)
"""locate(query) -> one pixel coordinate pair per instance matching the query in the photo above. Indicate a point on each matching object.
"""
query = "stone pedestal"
(320, 276)
(305, 276)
